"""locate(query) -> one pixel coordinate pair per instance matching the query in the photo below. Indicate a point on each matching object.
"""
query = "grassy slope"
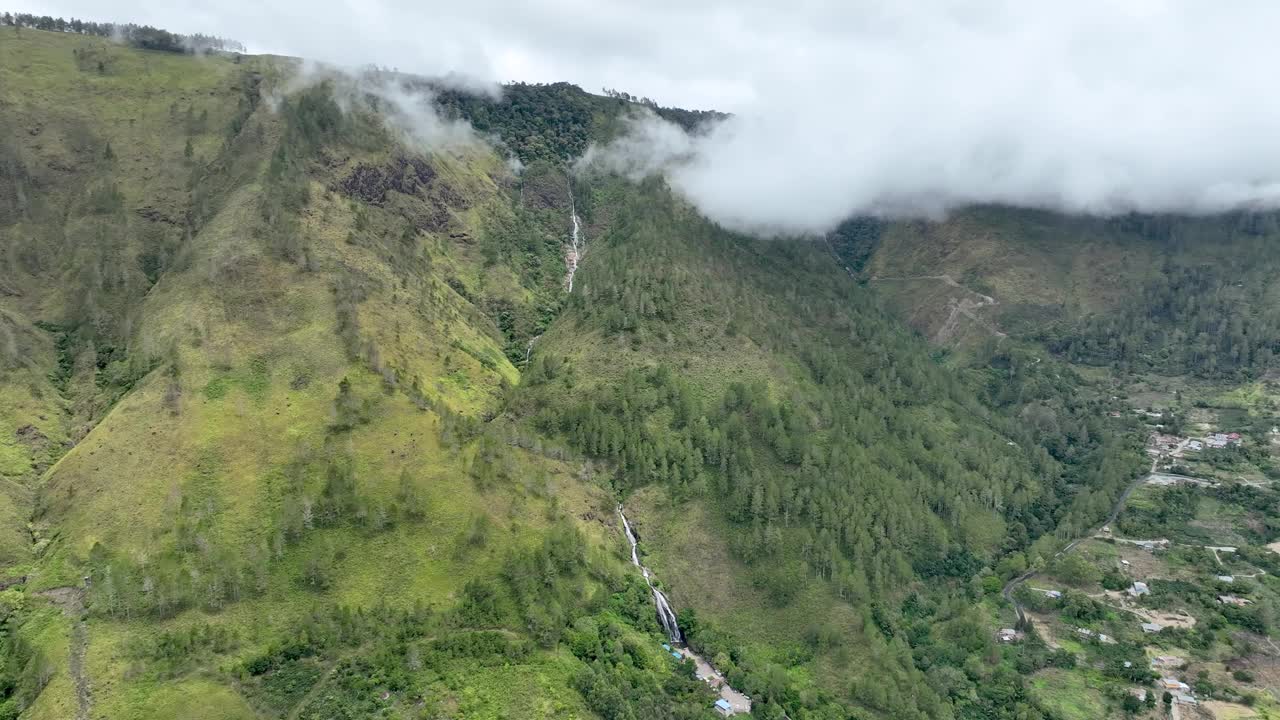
(251, 365)
(241, 362)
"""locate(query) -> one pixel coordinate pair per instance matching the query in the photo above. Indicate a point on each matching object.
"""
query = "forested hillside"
(298, 419)
(1170, 294)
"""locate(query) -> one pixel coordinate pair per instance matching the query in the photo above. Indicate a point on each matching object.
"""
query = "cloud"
(647, 146)
(405, 104)
(1084, 108)
(410, 109)
(859, 106)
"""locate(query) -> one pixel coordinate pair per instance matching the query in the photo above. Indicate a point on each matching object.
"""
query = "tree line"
(144, 37)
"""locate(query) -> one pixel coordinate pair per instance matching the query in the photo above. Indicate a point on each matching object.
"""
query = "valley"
(308, 413)
(1125, 606)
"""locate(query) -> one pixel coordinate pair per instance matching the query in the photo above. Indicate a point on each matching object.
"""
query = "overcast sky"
(854, 106)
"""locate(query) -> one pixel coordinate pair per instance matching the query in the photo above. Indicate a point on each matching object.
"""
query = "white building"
(1139, 588)
(1008, 635)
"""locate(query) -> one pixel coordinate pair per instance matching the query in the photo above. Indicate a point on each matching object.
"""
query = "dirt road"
(1013, 584)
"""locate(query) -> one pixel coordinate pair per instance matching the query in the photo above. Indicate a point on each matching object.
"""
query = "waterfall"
(575, 247)
(666, 616)
(571, 256)
(703, 670)
(528, 350)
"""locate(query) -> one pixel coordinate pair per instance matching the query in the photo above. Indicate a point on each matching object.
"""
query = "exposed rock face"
(545, 190)
(371, 183)
(414, 179)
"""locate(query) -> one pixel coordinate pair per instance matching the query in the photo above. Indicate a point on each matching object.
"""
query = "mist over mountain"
(867, 107)
(351, 380)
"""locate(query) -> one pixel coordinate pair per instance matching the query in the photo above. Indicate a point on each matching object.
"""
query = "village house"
(1234, 600)
(1167, 661)
(1053, 594)
(1150, 627)
(1085, 632)
(1138, 589)
(1221, 440)
(1227, 578)
(1174, 685)
(1195, 446)
(723, 707)
(1008, 635)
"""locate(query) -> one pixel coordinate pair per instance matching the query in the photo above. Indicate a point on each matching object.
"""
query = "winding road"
(956, 307)
(1013, 584)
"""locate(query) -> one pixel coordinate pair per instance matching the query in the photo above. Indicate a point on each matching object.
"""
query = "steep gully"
(704, 670)
(577, 244)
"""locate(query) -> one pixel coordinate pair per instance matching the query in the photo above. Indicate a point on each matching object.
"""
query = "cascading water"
(666, 616)
(575, 248)
(528, 350)
(703, 670)
(571, 257)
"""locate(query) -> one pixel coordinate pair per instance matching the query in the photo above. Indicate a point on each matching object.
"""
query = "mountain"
(301, 418)
(1178, 295)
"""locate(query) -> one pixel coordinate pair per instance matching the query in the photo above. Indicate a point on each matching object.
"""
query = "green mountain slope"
(1177, 295)
(272, 448)
(274, 386)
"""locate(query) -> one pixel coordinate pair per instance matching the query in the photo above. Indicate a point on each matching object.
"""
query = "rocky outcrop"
(409, 185)
(371, 183)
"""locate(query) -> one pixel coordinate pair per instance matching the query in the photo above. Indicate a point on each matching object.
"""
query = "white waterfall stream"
(704, 670)
(571, 256)
(666, 616)
(574, 252)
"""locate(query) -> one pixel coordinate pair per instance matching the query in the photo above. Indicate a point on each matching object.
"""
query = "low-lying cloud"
(405, 105)
(896, 108)
(1084, 108)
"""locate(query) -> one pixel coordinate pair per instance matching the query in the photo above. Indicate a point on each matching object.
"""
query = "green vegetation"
(298, 421)
(1179, 295)
(143, 37)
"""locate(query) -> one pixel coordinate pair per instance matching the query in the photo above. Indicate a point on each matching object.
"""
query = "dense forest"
(554, 122)
(1193, 319)
(403, 442)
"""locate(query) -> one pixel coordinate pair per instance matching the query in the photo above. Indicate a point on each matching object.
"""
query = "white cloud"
(407, 108)
(859, 106)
